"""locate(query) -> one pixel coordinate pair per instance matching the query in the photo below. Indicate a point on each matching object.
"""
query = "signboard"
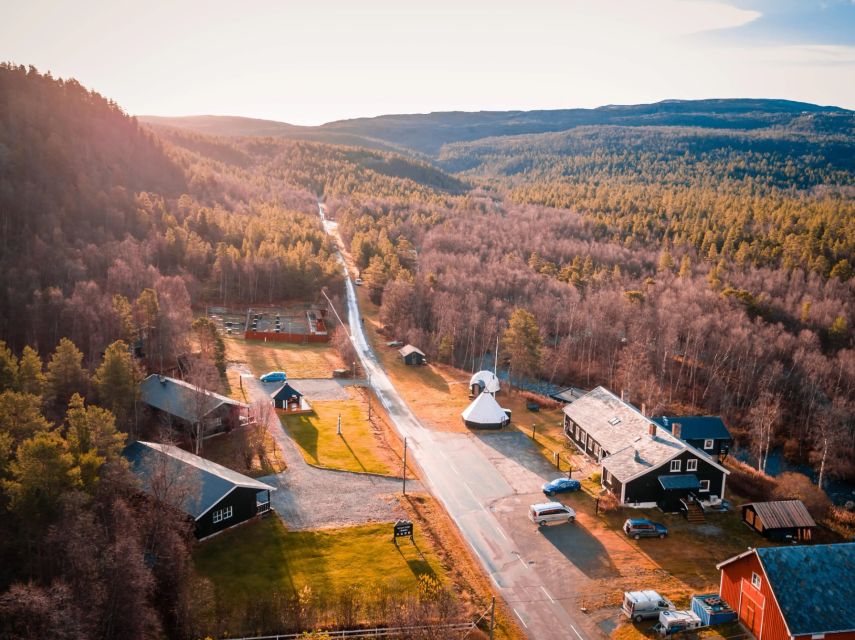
(403, 529)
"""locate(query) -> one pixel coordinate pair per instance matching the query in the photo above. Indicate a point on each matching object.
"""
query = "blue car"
(273, 376)
(642, 528)
(561, 485)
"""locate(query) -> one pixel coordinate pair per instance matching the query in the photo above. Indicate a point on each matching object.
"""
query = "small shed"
(780, 521)
(412, 355)
(289, 399)
(483, 381)
(568, 394)
(485, 413)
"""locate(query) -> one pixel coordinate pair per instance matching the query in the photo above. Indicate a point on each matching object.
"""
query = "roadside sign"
(403, 529)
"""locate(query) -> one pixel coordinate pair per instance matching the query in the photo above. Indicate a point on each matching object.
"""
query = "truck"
(644, 605)
(671, 622)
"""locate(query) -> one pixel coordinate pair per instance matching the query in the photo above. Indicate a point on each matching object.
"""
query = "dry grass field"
(297, 360)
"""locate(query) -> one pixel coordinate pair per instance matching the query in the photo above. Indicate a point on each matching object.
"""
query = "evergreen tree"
(92, 439)
(21, 416)
(65, 376)
(8, 368)
(116, 381)
(521, 344)
(31, 377)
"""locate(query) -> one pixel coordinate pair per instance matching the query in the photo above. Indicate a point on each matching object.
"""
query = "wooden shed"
(412, 355)
(289, 399)
(780, 521)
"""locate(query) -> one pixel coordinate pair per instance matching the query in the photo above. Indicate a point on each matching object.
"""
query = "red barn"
(784, 593)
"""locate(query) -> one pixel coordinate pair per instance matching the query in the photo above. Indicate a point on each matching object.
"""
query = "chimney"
(676, 430)
(643, 409)
(651, 429)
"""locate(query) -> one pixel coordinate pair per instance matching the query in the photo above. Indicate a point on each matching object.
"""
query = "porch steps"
(694, 513)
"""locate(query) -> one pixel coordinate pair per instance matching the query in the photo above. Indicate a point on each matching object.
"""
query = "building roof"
(195, 483)
(408, 349)
(783, 514)
(487, 380)
(624, 433)
(484, 410)
(568, 394)
(814, 586)
(680, 481)
(696, 427)
(180, 398)
(285, 392)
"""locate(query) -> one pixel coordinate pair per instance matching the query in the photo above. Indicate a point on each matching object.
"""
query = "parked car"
(546, 512)
(561, 485)
(640, 528)
(273, 376)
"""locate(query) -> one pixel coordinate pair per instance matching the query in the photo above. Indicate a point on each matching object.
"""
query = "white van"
(644, 605)
(546, 512)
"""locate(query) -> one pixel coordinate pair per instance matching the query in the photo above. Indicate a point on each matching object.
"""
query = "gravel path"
(308, 497)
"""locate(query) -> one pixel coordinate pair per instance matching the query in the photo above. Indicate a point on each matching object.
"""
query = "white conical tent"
(484, 413)
(487, 380)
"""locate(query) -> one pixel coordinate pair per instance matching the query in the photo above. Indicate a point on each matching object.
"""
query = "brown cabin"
(781, 521)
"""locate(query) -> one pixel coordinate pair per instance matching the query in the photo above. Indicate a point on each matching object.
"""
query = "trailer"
(712, 609)
(671, 622)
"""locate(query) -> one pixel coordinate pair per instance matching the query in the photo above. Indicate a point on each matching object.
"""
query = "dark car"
(561, 485)
(639, 528)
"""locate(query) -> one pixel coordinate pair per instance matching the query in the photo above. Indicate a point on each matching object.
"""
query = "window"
(596, 450)
(755, 580)
(708, 445)
(222, 514)
(675, 465)
(692, 465)
(606, 476)
(614, 421)
(705, 486)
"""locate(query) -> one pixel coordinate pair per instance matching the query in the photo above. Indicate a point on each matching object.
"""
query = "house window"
(222, 514)
(692, 465)
(606, 479)
(596, 450)
(708, 444)
(705, 486)
(675, 465)
(590, 442)
(755, 580)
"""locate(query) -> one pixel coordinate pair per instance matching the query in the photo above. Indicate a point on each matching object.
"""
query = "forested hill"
(427, 133)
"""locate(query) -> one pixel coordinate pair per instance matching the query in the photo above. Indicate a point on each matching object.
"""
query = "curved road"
(456, 471)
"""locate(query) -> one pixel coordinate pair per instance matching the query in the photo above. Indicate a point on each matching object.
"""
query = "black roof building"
(214, 496)
(707, 433)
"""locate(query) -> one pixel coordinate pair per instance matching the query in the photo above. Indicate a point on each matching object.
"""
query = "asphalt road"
(533, 574)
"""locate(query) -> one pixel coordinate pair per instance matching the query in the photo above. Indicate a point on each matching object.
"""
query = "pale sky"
(312, 61)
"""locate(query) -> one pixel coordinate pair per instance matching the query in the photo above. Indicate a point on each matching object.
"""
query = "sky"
(313, 61)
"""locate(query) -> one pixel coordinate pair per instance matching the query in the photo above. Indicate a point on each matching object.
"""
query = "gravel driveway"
(308, 497)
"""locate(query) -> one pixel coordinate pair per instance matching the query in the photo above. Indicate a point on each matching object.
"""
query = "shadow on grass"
(353, 453)
(581, 548)
(419, 566)
(303, 430)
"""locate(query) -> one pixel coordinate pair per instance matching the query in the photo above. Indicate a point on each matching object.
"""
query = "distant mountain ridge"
(427, 133)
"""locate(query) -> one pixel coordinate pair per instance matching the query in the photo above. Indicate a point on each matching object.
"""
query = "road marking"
(576, 632)
(542, 588)
(523, 621)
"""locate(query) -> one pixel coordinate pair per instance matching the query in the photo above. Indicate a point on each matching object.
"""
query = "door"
(751, 611)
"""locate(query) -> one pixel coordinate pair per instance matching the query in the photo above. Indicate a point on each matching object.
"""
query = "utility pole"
(338, 431)
(405, 466)
(492, 616)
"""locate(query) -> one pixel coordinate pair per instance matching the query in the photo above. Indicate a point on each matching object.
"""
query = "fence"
(377, 632)
(295, 338)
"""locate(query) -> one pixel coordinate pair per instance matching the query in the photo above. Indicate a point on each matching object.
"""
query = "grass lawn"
(250, 562)
(226, 450)
(297, 360)
(316, 435)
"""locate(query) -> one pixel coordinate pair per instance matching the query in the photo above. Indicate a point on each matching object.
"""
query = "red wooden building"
(784, 593)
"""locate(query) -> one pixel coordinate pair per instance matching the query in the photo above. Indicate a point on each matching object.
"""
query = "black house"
(215, 497)
(643, 464)
(411, 355)
(707, 433)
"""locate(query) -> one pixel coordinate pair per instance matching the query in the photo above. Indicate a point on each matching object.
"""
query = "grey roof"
(284, 392)
(195, 483)
(813, 585)
(696, 427)
(624, 433)
(407, 350)
(783, 514)
(680, 481)
(180, 398)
